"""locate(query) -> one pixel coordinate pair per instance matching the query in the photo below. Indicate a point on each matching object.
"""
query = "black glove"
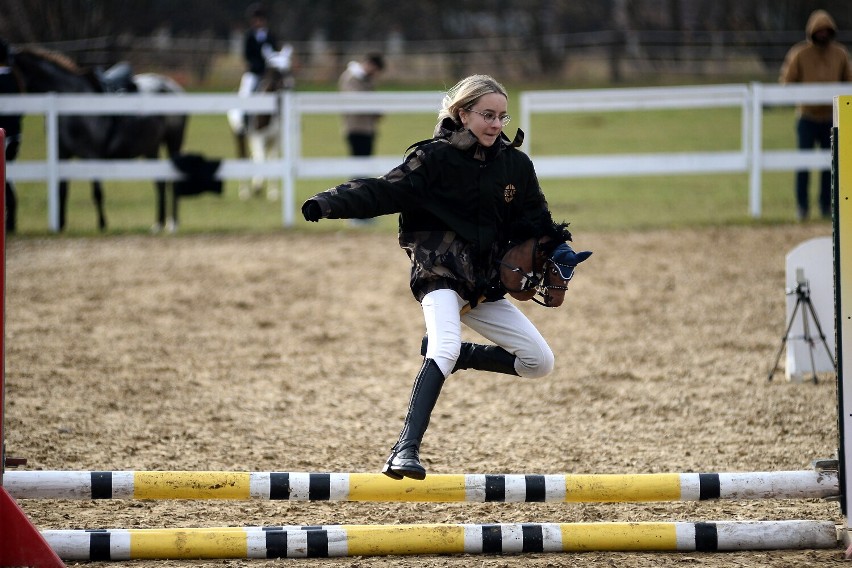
(566, 260)
(312, 211)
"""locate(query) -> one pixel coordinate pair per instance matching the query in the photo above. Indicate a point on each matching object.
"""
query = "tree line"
(33, 21)
(548, 30)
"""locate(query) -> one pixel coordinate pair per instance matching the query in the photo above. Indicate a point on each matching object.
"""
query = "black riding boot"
(492, 358)
(404, 460)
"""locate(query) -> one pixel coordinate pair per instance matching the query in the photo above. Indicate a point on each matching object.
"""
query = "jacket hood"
(819, 20)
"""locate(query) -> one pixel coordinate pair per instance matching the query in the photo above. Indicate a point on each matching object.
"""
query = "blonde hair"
(464, 94)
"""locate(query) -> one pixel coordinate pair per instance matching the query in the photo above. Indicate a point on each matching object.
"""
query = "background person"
(258, 46)
(360, 129)
(817, 59)
(464, 197)
(9, 84)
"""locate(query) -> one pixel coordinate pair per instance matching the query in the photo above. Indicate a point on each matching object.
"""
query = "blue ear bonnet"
(565, 260)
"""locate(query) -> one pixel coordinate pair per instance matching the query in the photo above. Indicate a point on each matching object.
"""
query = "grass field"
(590, 204)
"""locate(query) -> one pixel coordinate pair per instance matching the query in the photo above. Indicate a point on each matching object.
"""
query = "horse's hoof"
(171, 226)
(156, 228)
(244, 193)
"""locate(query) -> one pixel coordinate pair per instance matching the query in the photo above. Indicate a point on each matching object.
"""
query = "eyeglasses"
(490, 117)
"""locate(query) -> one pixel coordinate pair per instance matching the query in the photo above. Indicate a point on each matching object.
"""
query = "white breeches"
(236, 120)
(500, 322)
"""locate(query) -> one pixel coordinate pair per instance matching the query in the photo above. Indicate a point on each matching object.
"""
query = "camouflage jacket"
(460, 206)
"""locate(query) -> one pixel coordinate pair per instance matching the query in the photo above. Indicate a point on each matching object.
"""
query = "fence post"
(755, 178)
(290, 127)
(745, 126)
(51, 126)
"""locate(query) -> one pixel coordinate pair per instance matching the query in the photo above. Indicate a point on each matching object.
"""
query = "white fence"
(750, 158)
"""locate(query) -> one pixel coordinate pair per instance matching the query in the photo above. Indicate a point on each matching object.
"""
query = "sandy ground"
(296, 352)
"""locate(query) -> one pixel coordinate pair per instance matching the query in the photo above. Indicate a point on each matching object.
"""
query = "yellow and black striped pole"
(385, 540)
(301, 486)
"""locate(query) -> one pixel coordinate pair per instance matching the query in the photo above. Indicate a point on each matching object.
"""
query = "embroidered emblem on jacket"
(509, 193)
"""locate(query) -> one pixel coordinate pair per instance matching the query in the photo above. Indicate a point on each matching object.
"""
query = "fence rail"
(750, 157)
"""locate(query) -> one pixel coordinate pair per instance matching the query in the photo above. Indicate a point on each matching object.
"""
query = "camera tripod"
(803, 300)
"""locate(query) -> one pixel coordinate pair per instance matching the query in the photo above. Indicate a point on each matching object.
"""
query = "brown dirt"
(296, 352)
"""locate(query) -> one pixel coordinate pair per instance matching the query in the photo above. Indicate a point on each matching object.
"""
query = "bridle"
(550, 275)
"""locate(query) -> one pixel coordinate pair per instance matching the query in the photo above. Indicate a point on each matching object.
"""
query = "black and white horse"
(100, 137)
(257, 136)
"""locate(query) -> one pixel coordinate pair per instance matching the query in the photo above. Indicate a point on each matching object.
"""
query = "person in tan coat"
(360, 129)
(817, 59)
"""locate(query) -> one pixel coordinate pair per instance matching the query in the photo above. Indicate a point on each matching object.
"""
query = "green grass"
(590, 204)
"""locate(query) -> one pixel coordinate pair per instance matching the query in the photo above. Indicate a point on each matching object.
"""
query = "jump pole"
(300, 486)
(20, 542)
(386, 540)
(842, 236)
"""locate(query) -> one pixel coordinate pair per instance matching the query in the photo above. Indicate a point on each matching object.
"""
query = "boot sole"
(392, 474)
(398, 474)
(418, 475)
(402, 473)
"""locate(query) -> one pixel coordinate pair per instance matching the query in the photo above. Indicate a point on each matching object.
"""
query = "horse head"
(527, 270)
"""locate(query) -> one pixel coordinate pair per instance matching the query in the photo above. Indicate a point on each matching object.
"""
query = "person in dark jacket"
(259, 45)
(464, 198)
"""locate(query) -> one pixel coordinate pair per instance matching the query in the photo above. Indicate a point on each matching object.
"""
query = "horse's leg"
(272, 153)
(63, 202)
(173, 222)
(257, 145)
(174, 142)
(98, 198)
(11, 208)
(240, 139)
(160, 221)
(242, 153)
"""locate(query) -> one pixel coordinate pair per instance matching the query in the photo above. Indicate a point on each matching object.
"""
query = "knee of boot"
(536, 367)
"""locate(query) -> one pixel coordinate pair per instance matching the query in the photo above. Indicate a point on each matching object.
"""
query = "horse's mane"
(58, 59)
(63, 63)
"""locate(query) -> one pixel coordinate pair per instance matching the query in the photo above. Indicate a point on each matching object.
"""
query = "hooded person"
(817, 59)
